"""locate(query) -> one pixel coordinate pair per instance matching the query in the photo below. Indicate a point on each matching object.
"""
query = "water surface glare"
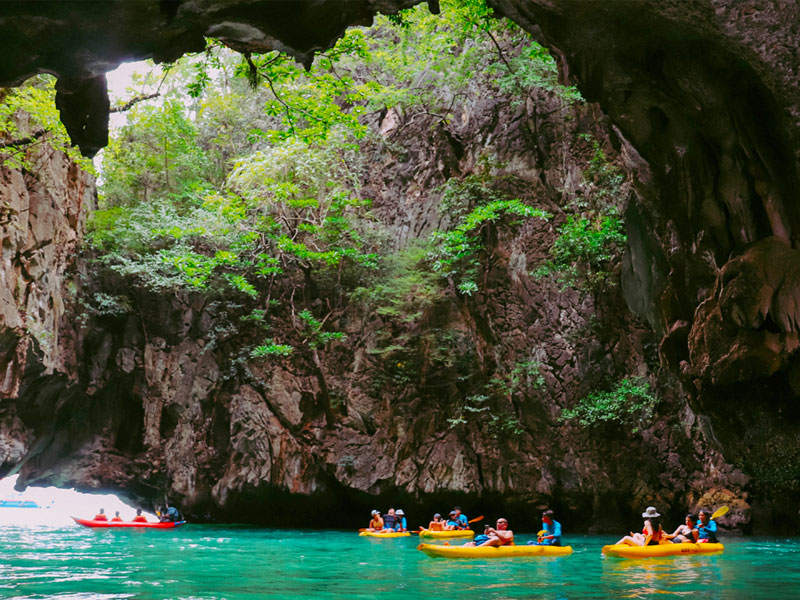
(201, 562)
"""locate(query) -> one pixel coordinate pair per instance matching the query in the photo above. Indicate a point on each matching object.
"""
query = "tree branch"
(132, 101)
(22, 141)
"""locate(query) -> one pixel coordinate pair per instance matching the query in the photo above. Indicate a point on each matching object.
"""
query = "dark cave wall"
(706, 97)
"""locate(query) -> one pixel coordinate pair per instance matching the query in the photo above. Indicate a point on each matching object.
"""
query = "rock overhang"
(80, 41)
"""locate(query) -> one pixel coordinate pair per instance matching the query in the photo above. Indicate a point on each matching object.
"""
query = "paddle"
(475, 519)
(722, 510)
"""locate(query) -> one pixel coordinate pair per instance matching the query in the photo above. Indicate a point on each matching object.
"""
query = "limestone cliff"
(160, 403)
(704, 98)
(43, 213)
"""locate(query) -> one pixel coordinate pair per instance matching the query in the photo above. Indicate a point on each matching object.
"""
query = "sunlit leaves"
(28, 116)
(456, 254)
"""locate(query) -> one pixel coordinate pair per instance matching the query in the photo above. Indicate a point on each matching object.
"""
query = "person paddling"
(461, 518)
(171, 516)
(706, 528)
(551, 530)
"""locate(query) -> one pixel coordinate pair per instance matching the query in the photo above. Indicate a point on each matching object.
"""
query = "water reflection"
(219, 563)
(673, 575)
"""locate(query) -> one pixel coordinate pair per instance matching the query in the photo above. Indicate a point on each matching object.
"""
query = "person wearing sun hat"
(402, 524)
(652, 533)
(376, 523)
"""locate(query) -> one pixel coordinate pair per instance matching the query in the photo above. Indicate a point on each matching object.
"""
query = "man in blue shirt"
(389, 520)
(402, 524)
(706, 528)
(452, 521)
(461, 518)
(552, 530)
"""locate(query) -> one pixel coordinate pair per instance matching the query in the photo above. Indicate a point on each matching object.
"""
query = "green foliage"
(251, 197)
(456, 256)
(271, 349)
(312, 105)
(405, 287)
(532, 69)
(314, 336)
(109, 305)
(494, 408)
(627, 404)
(585, 250)
(28, 116)
(524, 372)
(461, 195)
(589, 245)
(499, 423)
(426, 62)
(156, 155)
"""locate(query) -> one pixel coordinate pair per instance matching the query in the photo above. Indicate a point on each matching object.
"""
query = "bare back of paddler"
(436, 524)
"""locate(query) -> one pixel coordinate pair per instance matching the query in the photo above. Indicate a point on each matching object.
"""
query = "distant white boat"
(19, 504)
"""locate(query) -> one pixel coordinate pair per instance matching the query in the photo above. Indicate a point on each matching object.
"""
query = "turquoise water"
(213, 563)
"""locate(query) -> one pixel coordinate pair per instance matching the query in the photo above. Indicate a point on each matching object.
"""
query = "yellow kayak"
(493, 551)
(455, 533)
(379, 534)
(625, 551)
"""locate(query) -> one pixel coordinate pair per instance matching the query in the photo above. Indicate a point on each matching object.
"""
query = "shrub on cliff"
(627, 404)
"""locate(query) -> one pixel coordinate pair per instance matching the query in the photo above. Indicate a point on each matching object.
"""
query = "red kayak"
(92, 523)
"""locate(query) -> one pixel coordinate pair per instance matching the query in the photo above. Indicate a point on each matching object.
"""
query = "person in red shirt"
(139, 518)
(101, 516)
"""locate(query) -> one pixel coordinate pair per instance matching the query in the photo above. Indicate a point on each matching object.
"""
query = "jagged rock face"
(42, 218)
(705, 98)
(157, 409)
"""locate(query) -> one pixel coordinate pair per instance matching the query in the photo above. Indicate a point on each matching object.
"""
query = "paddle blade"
(541, 533)
(719, 512)
(476, 519)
